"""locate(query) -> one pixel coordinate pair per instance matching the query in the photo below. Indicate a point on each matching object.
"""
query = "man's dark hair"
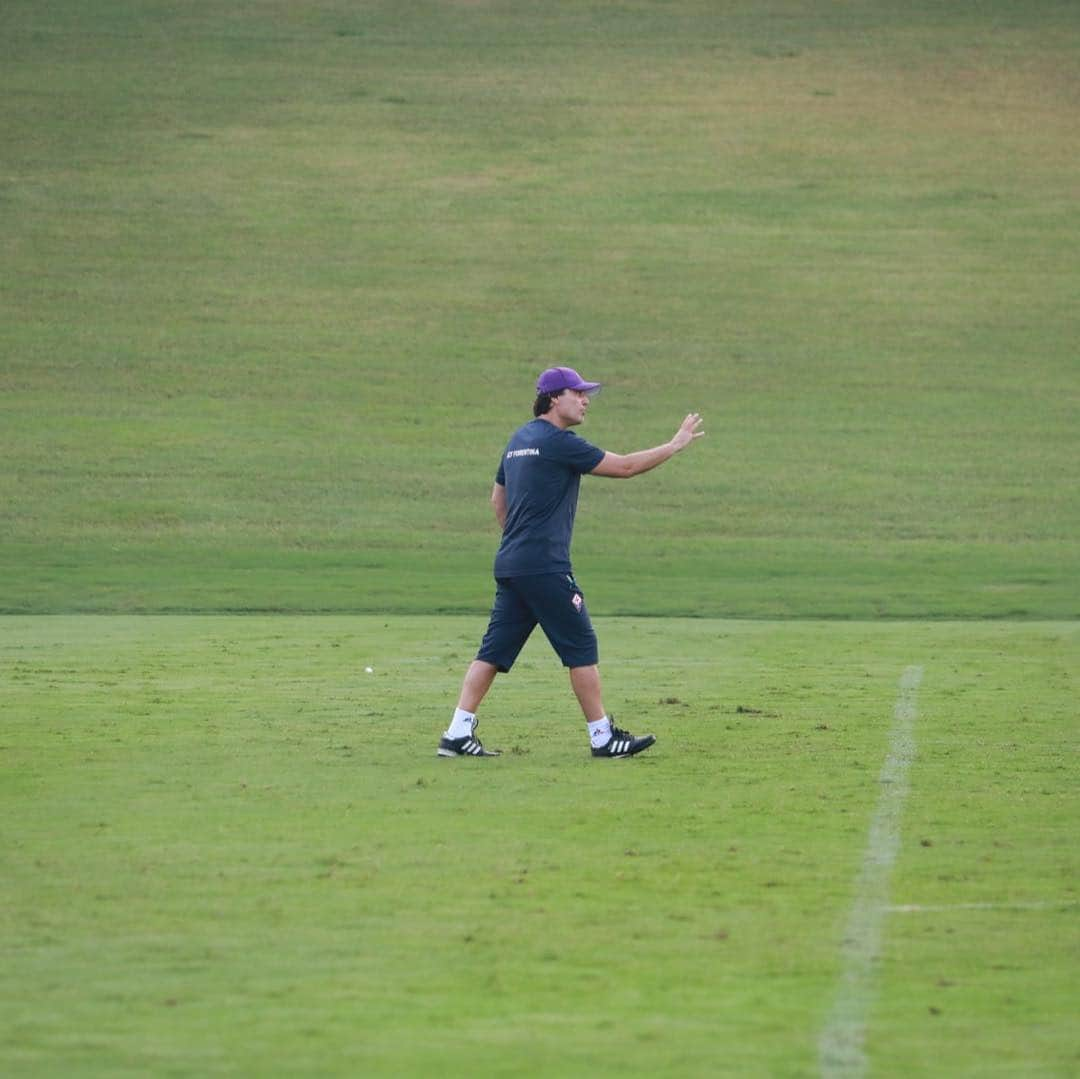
(543, 401)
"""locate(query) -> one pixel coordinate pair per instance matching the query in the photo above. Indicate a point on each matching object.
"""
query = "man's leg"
(559, 605)
(478, 680)
(604, 737)
(459, 741)
(586, 684)
(509, 628)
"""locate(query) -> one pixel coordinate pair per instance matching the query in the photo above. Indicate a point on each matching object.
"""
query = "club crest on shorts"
(577, 601)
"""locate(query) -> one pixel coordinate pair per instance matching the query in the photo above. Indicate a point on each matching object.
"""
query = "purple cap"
(563, 378)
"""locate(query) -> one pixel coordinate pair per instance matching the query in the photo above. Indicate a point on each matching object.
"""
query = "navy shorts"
(551, 601)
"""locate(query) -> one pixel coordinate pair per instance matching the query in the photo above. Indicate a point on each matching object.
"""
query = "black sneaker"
(624, 744)
(469, 746)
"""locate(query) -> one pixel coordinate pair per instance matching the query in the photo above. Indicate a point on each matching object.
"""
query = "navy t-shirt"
(541, 470)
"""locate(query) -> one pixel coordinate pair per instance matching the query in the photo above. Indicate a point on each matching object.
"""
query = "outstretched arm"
(622, 466)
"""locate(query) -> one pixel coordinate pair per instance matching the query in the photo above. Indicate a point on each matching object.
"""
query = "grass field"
(276, 279)
(227, 850)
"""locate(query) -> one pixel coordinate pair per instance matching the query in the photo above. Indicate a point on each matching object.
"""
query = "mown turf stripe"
(841, 1047)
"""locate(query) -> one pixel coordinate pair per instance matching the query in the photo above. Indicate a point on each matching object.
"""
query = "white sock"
(461, 726)
(600, 732)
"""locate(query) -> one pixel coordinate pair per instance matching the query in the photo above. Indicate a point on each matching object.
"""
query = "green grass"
(277, 280)
(228, 850)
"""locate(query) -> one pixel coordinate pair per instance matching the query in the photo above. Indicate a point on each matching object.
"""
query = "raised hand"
(687, 432)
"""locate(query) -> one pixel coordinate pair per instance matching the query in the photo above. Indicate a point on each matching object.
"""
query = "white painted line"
(841, 1051)
(920, 908)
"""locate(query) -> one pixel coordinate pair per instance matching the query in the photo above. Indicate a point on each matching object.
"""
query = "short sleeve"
(577, 453)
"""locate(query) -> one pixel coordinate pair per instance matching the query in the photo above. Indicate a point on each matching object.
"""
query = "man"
(535, 499)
